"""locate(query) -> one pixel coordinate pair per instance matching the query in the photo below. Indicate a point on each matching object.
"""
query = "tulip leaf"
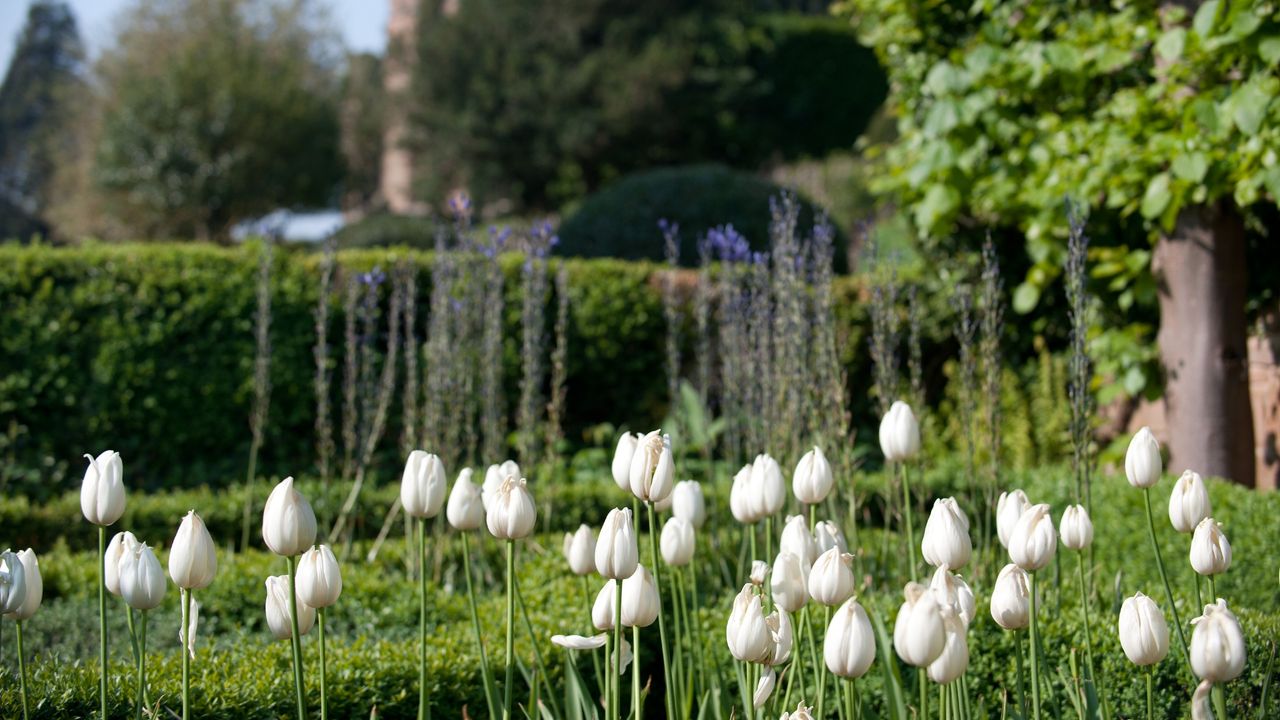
(892, 681)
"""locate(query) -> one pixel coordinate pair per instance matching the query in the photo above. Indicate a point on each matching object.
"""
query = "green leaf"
(1025, 298)
(1271, 178)
(1171, 43)
(1157, 197)
(939, 201)
(1191, 167)
(1249, 107)
(1269, 49)
(1205, 16)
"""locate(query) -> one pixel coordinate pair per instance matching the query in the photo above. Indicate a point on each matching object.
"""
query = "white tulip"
(831, 579)
(789, 582)
(319, 579)
(142, 583)
(33, 586)
(580, 550)
(802, 712)
(677, 542)
(193, 559)
(797, 541)
(122, 543)
(919, 634)
(954, 659)
(288, 523)
(899, 433)
(1033, 541)
(1144, 634)
(849, 646)
(602, 610)
(1217, 644)
(1076, 527)
(1011, 598)
(511, 513)
(640, 602)
(617, 553)
(688, 504)
(1008, 510)
(580, 642)
(465, 509)
(827, 535)
(759, 572)
(13, 586)
(1142, 463)
(653, 470)
(739, 497)
(279, 621)
(621, 467)
(781, 636)
(813, 479)
(1189, 502)
(423, 484)
(102, 492)
(764, 688)
(493, 478)
(952, 591)
(768, 489)
(747, 634)
(946, 535)
(1210, 551)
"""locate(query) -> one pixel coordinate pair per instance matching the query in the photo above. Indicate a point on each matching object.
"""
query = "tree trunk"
(1200, 272)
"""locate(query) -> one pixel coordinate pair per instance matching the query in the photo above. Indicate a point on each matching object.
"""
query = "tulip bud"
(789, 582)
(1011, 598)
(953, 592)
(122, 543)
(781, 636)
(1217, 644)
(580, 551)
(142, 583)
(33, 586)
(954, 659)
(688, 504)
(288, 523)
(319, 578)
(1033, 541)
(739, 497)
(493, 478)
(422, 485)
(899, 433)
(602, 609)
(1189, 502)
(622, 459)
(827, 535)
(1008, 509)
(919, 635)
(279, 620)
(1210, 551)
(102, 492)
(465, 510)
(653, 471)
(1142, 463)
(193, 559)
(759, 572)
(616, 552)
(1144, 635)
(812, 480)
(1076, 527)
(580, 642)
(746, 632)
(946, 535)
(831, 579)
(677, 542)
(13, 586)
(797, 541)
(640, 603)
(768, 489)
(511, 513)
(849, 646)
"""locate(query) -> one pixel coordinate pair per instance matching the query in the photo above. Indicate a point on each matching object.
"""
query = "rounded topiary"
(621, 220)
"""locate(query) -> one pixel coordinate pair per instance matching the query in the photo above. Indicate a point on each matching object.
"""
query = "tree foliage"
(1137, 109)
(539, 103)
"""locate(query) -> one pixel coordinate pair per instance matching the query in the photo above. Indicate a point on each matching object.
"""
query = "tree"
(1160, 117)
(44, 72)
(214, 111)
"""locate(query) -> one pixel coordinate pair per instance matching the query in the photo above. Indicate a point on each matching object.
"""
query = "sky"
(363, 23)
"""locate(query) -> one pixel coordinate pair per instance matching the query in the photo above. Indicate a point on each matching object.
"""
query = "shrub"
(386, 230)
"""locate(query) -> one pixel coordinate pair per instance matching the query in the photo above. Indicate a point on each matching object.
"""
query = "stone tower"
(395, 181)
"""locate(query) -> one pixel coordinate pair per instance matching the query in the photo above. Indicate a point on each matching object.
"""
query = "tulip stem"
(1022, 680)
(923, 687)
(1088, 633)
(1168, 591)
(22, 673)
(142, 667)
(906, 514)
(186, 655)
(296, 637)
(1150, 705)
(1213, 591)
(1035, 651)
(511, 616)
(822, 676)
(637, 709)
(486, 676)
(324, 669)
(424, 705)
(667, 696)
(102, 617)
(617, 649)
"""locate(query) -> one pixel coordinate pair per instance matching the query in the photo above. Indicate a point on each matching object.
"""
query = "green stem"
(906, 514)
(1168, 591)
(424, 702)
(539, 673)
(922, 686)
(296, 638)
(637, 708)
(1035, 652)
(102, 617)
(1022, 680)
(133, 632)
(1150, 705)
(668, 696)
(324, 669)
(22, 672)
(485, 676)
(186, 655)
(822, 676)
(617, 650)
(942, 702)
(1195, 577)
(142, 668)
(1213, 590)
(1088, 633)
(511, 637)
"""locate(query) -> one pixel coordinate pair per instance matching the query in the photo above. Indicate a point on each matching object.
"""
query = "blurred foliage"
(534, 105)
(361, 118)
(622, 219)
(1137, 110)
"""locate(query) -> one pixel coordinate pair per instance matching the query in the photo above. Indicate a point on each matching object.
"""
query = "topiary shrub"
(622, 219)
